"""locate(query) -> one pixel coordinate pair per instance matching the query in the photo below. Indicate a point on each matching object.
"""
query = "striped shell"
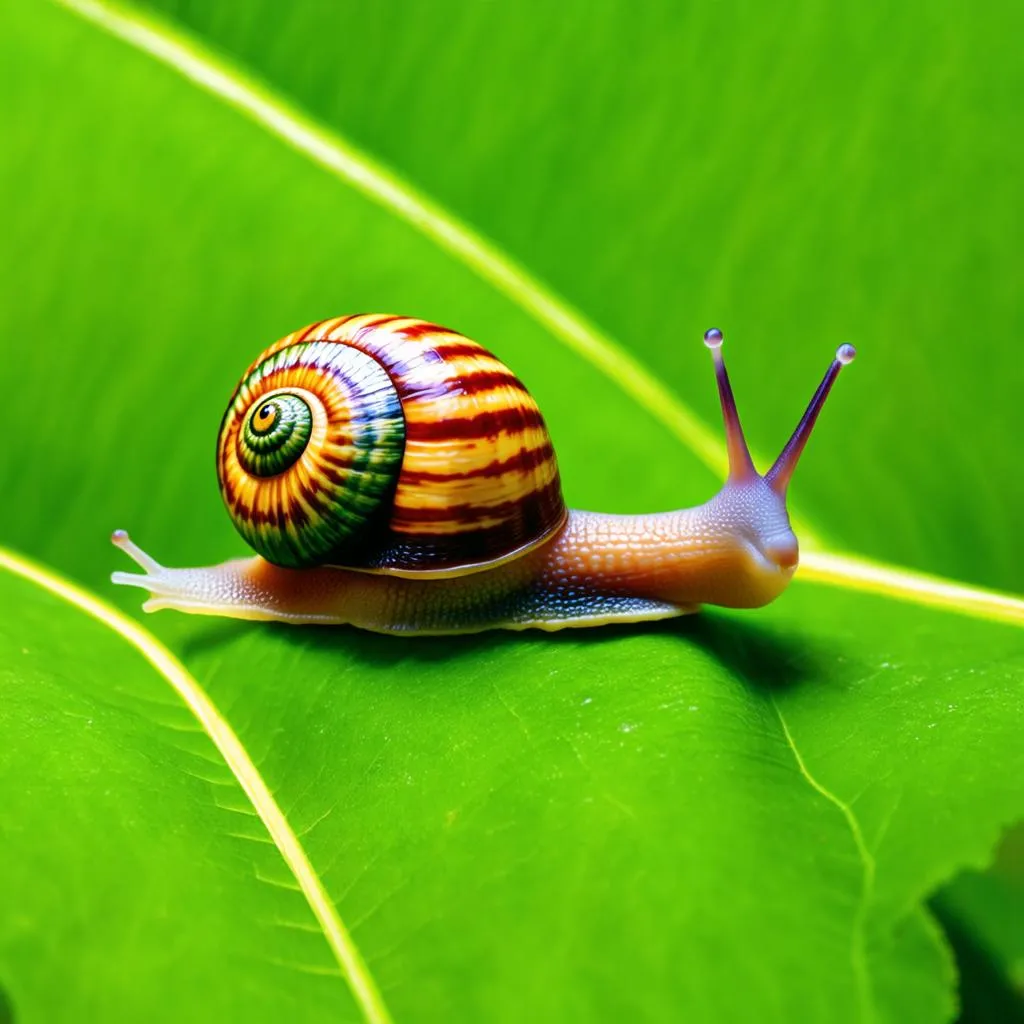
(387, 444)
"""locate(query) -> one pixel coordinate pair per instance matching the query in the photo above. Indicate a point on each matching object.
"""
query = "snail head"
(750, 510)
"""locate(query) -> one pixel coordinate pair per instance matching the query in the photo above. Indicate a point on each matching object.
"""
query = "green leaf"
(722, 818)
(134, 865)
(762, 802)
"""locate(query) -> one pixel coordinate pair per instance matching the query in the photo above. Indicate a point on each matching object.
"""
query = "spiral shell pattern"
(387, 444)
(309, 450)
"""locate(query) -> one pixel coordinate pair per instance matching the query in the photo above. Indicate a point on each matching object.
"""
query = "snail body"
(396, 476)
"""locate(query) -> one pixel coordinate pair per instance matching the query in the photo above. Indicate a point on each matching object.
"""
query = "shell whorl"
(387, 444)
(309, 450)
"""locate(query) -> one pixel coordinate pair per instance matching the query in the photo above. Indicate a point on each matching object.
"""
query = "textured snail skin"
(599, 569)
(550, 570)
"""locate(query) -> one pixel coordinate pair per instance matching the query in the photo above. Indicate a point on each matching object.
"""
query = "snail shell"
(387, 444)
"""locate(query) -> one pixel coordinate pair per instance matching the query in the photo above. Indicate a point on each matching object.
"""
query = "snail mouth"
(780, 556)
(784, 556)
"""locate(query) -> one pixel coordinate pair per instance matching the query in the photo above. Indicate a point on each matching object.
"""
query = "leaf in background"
(983, 915)
(726, 815)
(164, 246)
(797, 174)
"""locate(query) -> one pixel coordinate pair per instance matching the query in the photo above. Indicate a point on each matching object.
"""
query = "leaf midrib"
(354, 969)
(331, 151)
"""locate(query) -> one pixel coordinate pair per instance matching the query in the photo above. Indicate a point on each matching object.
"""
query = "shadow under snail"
(395, 476)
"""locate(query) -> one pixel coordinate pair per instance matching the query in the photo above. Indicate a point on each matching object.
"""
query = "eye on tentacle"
(781, 472)
(741, 466)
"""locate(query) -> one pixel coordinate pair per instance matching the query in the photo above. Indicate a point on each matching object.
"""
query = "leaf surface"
(133, 864)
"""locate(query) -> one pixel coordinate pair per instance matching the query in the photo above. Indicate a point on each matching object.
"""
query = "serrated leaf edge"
(353, 966)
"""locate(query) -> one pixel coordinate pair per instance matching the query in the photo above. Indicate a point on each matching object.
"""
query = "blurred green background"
(799, 174)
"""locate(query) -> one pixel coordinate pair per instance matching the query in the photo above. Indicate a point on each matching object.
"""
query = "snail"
(395, 476)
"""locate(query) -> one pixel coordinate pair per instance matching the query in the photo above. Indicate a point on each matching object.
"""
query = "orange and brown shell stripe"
(479, 479)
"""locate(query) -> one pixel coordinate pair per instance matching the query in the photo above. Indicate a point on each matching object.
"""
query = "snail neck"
(736, 550)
